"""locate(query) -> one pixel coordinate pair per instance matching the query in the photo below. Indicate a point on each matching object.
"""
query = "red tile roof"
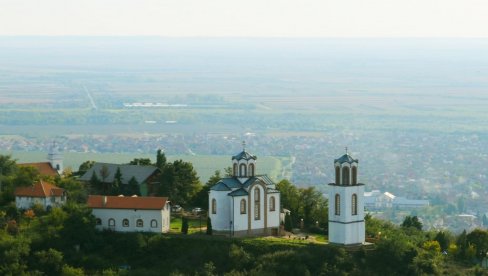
(44, 168)
(122, 202)
(39, 189)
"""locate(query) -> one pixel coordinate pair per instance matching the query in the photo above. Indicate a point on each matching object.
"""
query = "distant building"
(54, 166)
(245, 204)
(377, 200)
(146, 176)
(43, 193)
(346, 205)
(130, 214)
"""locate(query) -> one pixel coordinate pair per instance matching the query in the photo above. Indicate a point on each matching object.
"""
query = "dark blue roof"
(263, 178)
(244, 155)
(346, 158)
(231, 182)
(239, 192)
(220, 186)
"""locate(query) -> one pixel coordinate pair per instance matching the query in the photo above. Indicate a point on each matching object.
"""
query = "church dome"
(244, 155)
(346, 158)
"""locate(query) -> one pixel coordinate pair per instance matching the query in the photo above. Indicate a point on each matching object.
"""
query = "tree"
(290, 197)
(49, 262)
(288, 223)
(479, 239)
(94, 183)
(184, 225)
(84, 167)
(444, 240)
(7, 165)
(29, 215)
(412, 222)
(462, 245)
(79, 227)
(26, 176)
(134, 187)
(209, 226)
(179, 182)
(104, 173)
(201, 197)
(117, 182)
(141, 162)
(160, 159)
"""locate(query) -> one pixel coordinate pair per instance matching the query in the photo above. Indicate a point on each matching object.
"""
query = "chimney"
(104, 201)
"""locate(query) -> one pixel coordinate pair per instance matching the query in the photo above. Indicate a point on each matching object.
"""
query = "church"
(346, 204)
(245, 204)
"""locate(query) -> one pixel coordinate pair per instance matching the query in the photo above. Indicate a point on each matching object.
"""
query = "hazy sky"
(284, 18)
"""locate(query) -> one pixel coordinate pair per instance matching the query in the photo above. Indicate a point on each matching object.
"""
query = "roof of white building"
(346, 158)
(39, 189)
(121, 202)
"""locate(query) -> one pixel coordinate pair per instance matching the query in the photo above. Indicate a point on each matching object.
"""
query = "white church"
(245, 204)
(346, 204)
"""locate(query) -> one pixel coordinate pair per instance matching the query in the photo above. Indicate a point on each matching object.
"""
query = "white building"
(131, 214)
(55, 158)
(346, 204)
(245, 204)
(43, 193)
(376, 200)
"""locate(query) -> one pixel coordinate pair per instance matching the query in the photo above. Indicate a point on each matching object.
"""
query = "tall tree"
(115, 189)
(201, 198)
(412, 222)
(84, 167)
(179, 182)
(479, 238)
(104, 173)
(134, 187)
(160, 159)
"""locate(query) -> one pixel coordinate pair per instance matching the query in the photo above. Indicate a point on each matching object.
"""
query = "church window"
(139, 223)
(242, 170)
(125, 223)
(243, 206)
(251, 170)
(354, 202)
(257, 202)
(99, 221)
(154, 223)
(337, 205)
(345, 176)
(111, 222)
(214, 206)
(235, 169)
(338, 175)
(272, 203)
(354, 175)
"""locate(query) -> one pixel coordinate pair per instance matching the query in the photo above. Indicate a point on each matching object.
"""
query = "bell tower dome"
(243, 165)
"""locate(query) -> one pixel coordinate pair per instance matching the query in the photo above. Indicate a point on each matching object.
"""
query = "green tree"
(26, 176)
(79, 227)
(201, 197)
(141, 162)
(160, 159)
(76, 190)
(133, 187)
(412, 222)
(84, 167)
(117, 182)
(444, 240)
(290, 198)
(209, 226)
(7, 165)
(104, 174)
(479, 239)
(462, 245)
(50, 262)
(288, 223)
(14, 251)
(179, 182)
(95, 184)
(184, 225)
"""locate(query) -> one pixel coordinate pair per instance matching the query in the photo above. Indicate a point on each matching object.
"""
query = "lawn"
(193, 225)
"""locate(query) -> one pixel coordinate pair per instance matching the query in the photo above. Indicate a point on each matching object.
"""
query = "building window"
(257, 201)
(235, 169)
(354, 175)
(345, 176)
(243, 206)
(251, 170)
(214, 206)
(111, 222)
(139, 223)
(338, 175)
(53, 199)
(99, 221)
(337, 205)
(272, 203)
(242, 170)
(125, 223)
(154, 223)
(354, 202)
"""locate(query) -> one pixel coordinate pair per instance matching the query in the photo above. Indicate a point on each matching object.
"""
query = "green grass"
(193, 225)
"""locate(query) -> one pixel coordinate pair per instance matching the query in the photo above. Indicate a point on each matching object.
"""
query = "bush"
(184, 225)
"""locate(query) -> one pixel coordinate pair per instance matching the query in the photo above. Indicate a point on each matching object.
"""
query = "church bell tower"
(55, 158)
(346, 204)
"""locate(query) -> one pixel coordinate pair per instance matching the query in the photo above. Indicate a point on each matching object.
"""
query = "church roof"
(230, 183)
(264, 178)
(220, 186)
(44, 168)
(239, 192)
(346, 158)
(244, 155)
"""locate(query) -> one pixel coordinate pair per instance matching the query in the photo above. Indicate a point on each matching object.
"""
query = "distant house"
(54, 166)
(377, 200)
(146, 176)
(43, 193)
(131, 214)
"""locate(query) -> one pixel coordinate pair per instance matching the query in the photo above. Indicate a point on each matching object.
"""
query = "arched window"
(154, 223)
(242, 170)
(139, 223)
(354, 202)
(338, 175)
(337, 205)
(99, 221)
(257, 201)
(243, 206)
(272, 203)
(345, 176)
(125, 223)
(235, 169)
(111, 222)
(251, 169)
(354, 175)
(214, 206)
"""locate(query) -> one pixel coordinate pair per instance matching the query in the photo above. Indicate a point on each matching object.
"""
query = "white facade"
(43, 193)
(245, 204)
(157, 221)
(55, 158)
(130, 214)
(26, 202)
(346, 204)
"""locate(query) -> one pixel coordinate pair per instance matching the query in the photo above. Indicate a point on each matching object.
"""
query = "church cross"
(244, 145)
